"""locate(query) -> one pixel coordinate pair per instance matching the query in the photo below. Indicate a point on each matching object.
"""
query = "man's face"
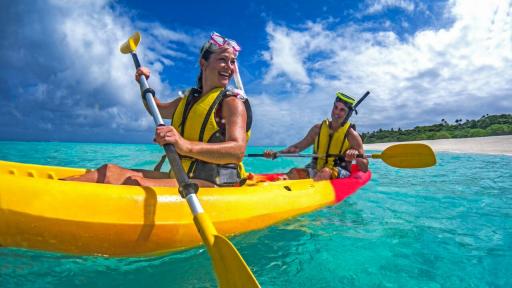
(338, 113)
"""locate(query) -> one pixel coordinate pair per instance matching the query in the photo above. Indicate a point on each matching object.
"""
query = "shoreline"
(497, 145)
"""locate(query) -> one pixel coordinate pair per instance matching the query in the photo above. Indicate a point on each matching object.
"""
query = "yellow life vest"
(194, 119)
(327, 143)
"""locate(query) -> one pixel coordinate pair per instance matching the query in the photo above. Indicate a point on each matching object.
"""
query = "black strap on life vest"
(220, 175)
(214, 105)
(158, 165)
(340, 160)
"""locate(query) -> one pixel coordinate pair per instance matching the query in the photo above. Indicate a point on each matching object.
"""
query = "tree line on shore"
(487, 125)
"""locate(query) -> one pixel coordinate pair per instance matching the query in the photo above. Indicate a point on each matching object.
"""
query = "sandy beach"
(479, 145)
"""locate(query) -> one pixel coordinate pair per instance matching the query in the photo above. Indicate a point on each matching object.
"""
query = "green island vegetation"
(487, 125)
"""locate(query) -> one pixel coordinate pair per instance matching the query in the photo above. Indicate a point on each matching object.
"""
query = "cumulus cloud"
(64, 75)
(460, 71)
(285, 54)
(64, 79)
(381, 5)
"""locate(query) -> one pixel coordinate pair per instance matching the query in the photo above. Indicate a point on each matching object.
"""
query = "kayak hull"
(38, 211)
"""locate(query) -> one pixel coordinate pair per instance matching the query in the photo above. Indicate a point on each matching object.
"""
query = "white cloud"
(285, 55)
(377, 6)
(66, 71)
(63, 56)
(461, 71)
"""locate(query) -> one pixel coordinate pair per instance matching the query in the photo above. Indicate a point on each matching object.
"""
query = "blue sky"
(63, 78)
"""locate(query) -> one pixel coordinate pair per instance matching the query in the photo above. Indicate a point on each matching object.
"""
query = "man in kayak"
(210, 127)
(338, 137)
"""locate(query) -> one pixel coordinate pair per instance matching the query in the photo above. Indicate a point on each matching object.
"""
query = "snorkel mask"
(216, 42)
(345, 99)
(349, 103)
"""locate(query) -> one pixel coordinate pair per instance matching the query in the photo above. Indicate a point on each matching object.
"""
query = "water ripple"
(445, 226)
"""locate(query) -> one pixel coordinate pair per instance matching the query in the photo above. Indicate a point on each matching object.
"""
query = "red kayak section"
(343, 187)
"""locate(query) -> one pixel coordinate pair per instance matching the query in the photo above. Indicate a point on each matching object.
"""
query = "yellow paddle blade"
(131, 44)
(230, 267)
(409, 155)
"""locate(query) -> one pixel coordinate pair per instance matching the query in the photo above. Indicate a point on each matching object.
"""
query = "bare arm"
(166, 109)
(356, 147)
(230, 151)
(307, 141)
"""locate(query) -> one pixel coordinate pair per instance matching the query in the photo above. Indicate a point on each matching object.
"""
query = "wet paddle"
(230, 268)
(407, 155)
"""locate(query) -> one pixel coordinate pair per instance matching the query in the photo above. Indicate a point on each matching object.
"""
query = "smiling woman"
(210, 127)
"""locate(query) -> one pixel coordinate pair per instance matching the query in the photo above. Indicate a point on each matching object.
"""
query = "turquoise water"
(446, 226)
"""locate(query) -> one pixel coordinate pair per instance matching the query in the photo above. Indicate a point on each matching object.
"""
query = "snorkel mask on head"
(216, 42)
(345, 99)
(349, 103)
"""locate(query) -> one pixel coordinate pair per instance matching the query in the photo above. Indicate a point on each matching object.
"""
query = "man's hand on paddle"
(270, 154)
(351, 154)
(273, 154)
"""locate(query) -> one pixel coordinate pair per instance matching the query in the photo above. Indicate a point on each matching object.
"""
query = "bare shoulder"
(353, 132)
(316, 128)
(355, 139)
(313, 132)
(233, 105)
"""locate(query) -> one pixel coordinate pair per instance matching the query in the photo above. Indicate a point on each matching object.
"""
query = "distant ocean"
(445, 226)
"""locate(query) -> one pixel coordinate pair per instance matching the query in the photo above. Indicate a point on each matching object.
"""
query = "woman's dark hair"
(206, 56)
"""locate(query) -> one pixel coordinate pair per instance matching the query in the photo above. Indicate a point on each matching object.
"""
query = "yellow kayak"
(38, 211)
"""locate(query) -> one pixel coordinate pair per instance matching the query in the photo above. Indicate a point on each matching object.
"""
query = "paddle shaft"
(229, 266)
(297, 155)
(407, 155)
(187, 188)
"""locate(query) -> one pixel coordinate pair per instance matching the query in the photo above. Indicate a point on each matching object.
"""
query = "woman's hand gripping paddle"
(408, 155)
(230, 267)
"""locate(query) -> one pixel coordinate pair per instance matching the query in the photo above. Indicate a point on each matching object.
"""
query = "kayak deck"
(38, 211)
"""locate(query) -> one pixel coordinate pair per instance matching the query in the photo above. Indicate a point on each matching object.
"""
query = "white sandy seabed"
(479, 145)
